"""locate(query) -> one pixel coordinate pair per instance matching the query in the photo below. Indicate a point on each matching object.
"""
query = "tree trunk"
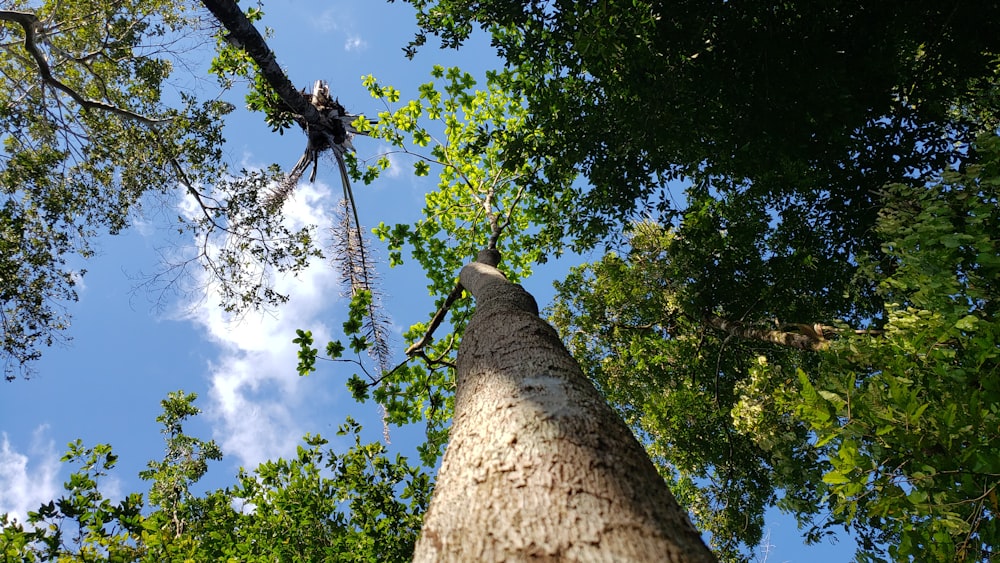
(538, 466)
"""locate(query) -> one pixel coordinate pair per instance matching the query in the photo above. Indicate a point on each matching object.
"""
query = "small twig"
(189, 186)
(497, 227)
(488, 256)
(433, 362)
(419, 345)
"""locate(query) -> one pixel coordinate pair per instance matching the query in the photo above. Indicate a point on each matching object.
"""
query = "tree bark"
(538, 466)
(808, 336)
(242, 31)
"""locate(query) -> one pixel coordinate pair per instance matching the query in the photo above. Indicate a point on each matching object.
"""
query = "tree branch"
(418, 346)
(32, 26)
(242, 32)
(489, 256)
(806, 337)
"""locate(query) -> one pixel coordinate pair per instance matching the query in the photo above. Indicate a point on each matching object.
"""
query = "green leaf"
(967, 323)
(835, 477)
(334, 349)
(359, 388)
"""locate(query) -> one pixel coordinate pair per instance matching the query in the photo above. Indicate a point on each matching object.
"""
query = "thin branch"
(434, 362)
(500, 227)
(489, 256)
(189, 186)
(418, 346)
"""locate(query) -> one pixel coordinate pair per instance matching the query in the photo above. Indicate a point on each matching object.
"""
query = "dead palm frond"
(335, 136)
(358, 274)
(349, 244)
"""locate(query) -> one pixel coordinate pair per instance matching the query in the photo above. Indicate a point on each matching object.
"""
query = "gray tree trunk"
(538, 466)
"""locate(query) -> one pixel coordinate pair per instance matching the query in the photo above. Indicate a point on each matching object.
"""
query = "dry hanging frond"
(277, 195)
(335, 134)
(358, 274)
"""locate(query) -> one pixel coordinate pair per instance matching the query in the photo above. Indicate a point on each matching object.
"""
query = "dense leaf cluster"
(802, 132)
(890, 431)
(359, 505)
(790, 97)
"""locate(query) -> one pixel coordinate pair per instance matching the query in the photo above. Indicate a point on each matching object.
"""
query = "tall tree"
(537, 465)
(790, 122)
(482, 191)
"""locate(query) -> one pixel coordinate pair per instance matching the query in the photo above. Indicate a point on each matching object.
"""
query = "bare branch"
(417, 348)
(489, 256)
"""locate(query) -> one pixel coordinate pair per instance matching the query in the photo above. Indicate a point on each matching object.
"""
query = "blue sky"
(130, 348)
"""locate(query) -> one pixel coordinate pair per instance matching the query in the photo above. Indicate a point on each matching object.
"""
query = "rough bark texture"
(808, 336)
(244, 33)
(538, 467)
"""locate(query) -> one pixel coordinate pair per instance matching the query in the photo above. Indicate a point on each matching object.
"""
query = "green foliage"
(889, 430)
(480, 192)
(90, 140)
(82, 522)
(791, 98)
(232, 62)
(809, 204)
(319, 506)
(480, 202)
(185, 462)
(909, 421)
(694, 395)
(307, 354)
(85, 137)
(788, 224)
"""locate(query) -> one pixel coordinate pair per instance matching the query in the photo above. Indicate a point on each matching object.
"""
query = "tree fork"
(538, 466)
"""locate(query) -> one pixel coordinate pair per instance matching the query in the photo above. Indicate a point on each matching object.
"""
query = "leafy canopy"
(792, 97)
(768, 398)
(86, 134)
(464, 133)
(360, 505)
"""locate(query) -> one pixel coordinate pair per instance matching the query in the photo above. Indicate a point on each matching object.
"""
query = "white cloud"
(355, 43)
(188, 206)
(330, 20)
(257, 401)
(78, 283)
(396, 164)
(340, 20)
(27, 481)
